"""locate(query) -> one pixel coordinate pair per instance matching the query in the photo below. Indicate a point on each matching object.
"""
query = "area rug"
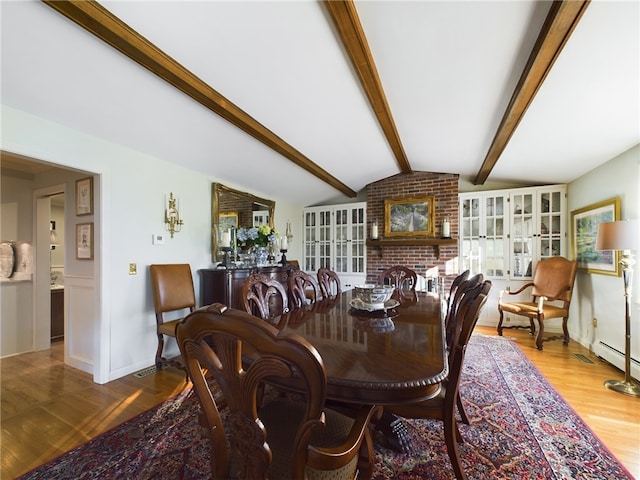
(521, 429)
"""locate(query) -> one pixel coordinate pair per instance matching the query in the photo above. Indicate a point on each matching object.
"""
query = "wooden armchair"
(303, 288)
(443, 407)
(172, 292)
(286, 437)
(551, 291)
(402, 278)
(329, 282)
(264, 297)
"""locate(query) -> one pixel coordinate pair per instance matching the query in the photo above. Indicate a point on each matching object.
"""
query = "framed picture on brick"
(409, 217)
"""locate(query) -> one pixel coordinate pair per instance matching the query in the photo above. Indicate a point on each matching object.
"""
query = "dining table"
(384, 356)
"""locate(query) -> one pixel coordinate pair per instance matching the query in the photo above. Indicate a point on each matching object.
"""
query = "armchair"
(551, 291)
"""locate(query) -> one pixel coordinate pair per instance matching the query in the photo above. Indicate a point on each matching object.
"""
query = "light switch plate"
(133, 269)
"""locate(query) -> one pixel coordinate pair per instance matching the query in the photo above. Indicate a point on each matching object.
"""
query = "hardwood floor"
(49, 408)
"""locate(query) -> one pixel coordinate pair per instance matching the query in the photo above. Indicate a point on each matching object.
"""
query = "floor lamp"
(623, 235)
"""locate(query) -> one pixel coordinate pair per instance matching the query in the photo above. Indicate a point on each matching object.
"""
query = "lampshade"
(621, 235)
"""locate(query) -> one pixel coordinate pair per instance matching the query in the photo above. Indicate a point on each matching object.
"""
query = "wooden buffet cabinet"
(220, 285)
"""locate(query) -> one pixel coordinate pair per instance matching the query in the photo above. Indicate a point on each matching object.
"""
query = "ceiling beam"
(561, 20)
(347, 22)
(97, 20)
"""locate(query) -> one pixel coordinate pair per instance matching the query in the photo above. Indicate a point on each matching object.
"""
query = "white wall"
(129, 204)
(601, 296)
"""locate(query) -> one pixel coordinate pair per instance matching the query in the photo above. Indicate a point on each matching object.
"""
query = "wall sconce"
(172, 221)
(288, 233)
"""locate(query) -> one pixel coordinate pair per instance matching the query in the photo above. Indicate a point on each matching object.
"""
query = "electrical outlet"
(133, 269)
(595, 322)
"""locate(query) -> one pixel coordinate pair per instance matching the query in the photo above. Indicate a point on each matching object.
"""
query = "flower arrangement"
(257, 236)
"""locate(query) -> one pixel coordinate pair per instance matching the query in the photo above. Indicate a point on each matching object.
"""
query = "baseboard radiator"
(616, 358)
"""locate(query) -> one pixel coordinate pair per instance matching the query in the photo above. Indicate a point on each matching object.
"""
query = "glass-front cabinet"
(335, 238)
(483, 233)
(503, 233)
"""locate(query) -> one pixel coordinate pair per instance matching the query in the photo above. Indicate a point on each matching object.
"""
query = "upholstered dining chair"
(402, 278)
(173, 294)
(264, 297)
(329, 282)
(285, 437)
(551, 291)
(443, 407)
(303, 288)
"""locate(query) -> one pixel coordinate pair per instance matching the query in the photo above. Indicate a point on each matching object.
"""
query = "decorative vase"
(261, 254)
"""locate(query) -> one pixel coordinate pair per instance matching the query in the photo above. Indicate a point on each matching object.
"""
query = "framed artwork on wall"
(584, 231)
(84, 196)
(84, 241)
(409, 217)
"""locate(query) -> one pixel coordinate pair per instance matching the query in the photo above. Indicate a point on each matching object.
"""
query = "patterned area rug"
(521, 429)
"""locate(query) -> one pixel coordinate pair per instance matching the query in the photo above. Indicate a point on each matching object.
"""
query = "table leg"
(395, 433)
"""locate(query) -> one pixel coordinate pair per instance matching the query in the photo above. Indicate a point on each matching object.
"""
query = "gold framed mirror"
(242, 209)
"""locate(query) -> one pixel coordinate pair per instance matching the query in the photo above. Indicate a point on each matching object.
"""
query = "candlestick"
(283, 259)
(374, 231)
(225, 240)
(446, 228)
(283, 244)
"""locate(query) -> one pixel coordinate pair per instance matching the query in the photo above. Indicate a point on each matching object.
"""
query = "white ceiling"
(448, 70)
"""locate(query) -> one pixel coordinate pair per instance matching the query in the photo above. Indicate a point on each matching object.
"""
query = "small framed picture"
(84, 241)
(84, 196)
(409, 217)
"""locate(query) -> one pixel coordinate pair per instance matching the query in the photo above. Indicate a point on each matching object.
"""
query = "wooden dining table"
(383, 357)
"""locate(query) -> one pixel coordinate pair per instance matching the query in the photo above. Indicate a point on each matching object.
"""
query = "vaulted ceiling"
(310, 100)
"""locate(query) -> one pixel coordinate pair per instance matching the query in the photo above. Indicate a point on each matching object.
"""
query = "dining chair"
(173, 294)
(443, 406)
(303, 288)
(260, 436)
(452, 320)
(454, 286)
(264, 297)
(329, 282)
(402, 278)
(551, 291)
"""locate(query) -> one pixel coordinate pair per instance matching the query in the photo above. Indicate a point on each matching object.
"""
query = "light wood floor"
(49, 408)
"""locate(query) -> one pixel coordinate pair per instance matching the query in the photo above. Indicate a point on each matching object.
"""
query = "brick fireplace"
(426, 260)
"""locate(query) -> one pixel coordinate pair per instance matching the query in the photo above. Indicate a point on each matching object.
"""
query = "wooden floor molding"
(47, 408)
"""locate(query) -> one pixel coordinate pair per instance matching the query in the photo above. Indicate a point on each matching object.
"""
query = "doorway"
(56, 264)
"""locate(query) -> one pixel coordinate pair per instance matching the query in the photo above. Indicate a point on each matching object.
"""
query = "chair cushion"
(281, 418)
(530, 309)
(169, 328)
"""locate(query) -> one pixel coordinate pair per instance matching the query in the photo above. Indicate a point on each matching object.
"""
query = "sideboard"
(221, 285)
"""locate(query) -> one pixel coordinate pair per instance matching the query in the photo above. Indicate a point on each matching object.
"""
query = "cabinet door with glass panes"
(350, 239)
(552, 235)
(318, 236)
(537, 227)
(484, 233)
(335, 238)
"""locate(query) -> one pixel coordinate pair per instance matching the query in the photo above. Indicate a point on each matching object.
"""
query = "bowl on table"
(372, 295)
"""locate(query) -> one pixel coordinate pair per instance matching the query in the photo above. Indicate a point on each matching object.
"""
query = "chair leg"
(565, 340)
(539, 338)
(450, 433)
(462, 411)
(366, 456)
(159, 359)
(532, 327)
(500, 323)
